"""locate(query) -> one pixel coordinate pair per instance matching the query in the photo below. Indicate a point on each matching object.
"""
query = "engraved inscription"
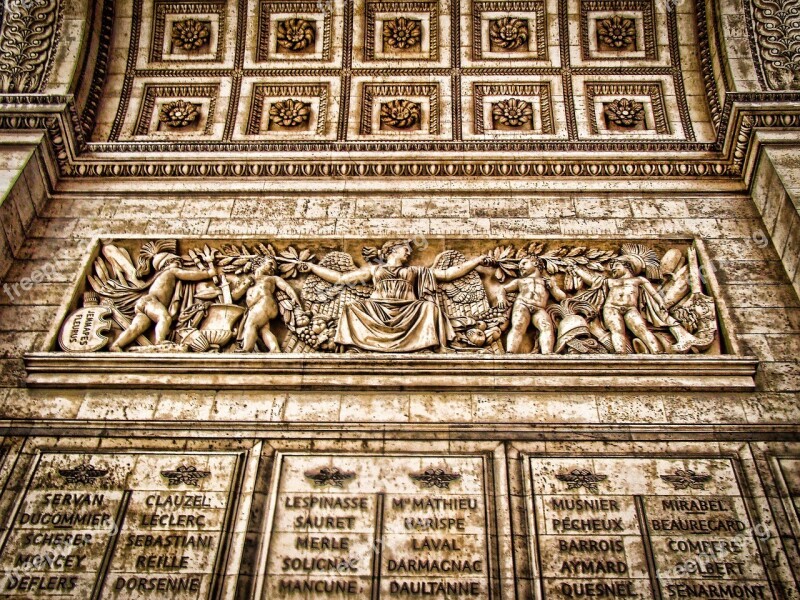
(668, 528)
(380, 533)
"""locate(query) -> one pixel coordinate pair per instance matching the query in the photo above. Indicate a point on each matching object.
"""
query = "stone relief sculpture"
(525, 298)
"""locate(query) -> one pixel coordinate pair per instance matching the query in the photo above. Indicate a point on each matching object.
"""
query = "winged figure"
(476, 323)
(402, 314)
(324, 301)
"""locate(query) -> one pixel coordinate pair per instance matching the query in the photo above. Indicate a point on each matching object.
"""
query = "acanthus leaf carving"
(28, 37)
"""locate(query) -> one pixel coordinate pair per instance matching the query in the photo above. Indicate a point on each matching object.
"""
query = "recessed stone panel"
(644, 527)
(120, 525)
(368, 526)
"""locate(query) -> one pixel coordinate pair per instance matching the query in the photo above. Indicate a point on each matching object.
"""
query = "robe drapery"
(401, 315)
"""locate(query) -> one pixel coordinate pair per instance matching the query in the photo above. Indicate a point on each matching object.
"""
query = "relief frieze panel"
(463, 297)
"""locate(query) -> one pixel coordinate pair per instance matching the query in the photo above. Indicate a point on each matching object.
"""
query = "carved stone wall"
(352, 172)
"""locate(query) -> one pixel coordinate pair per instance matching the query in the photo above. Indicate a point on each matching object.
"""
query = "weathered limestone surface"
(660, 477)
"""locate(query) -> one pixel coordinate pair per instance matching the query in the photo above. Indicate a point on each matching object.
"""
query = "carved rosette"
(625, 112)
(289, 112)
(512, 112)
(509, 33)
(190, 34)
(179, 113)
(402, 33)
(401, 114)
(295, 35)
(616, 32)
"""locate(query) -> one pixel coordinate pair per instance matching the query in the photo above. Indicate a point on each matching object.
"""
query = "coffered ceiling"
(405, 76)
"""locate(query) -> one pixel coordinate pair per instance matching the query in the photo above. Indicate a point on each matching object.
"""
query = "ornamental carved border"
(153, 92)
(29, 36)
(774, 31)
(262, 91)
(540, 24)
(648, 18)
(540, 90)
(371, 90)
(652, 90)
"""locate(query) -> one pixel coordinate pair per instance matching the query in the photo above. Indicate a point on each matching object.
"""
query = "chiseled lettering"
(698, 525)
(318, 586)
(567, 524)
(35, 583)
(600, 588)
(602, 546)
(694, 504)
(188, 583)
(309, 542)
(584, 504)
(717, 590)
(435, 588)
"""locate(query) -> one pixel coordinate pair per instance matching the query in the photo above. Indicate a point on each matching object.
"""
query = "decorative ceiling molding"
(68, 127)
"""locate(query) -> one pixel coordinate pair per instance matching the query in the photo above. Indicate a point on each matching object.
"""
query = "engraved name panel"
(643, 528)
(119, 525)
(364, 526)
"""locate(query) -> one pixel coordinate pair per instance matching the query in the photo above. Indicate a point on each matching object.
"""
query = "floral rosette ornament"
(402, 33)
(617, 32)
(509, 33)
(295, 34)
(190, 34)
(289, 113)
(401, 114)
(512, 112)
(178, 113)
(625, 112)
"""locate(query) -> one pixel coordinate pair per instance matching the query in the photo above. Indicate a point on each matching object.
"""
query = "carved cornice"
(742, 115)
(393, 372)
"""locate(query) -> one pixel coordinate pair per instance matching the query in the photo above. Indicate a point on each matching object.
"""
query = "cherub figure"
(626, 291)
(262, 306)
(529, 306)
(152, 307)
